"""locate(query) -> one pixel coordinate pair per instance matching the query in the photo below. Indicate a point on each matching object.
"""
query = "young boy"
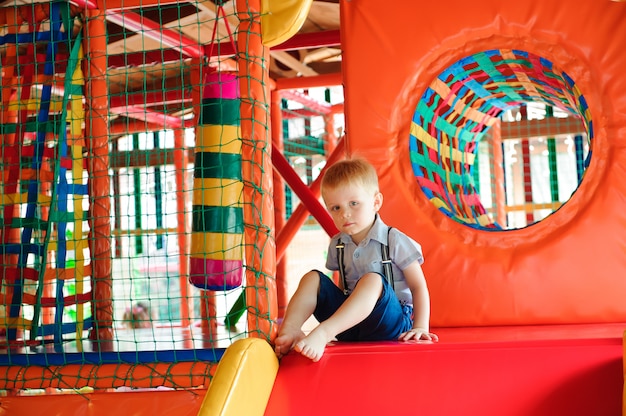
(366, 307)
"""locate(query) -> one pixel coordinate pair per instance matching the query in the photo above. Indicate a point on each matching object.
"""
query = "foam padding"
(243, 380)
(517, 277)
(515, 378)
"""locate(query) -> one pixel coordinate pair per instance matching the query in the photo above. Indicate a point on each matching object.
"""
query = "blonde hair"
(352, 171)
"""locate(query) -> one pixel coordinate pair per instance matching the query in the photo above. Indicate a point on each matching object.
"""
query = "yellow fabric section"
(243, 381)
(223, 246)
(20, 323)
(34, 104)
(281, 19)
(11, 199)
(217, 192)
(77, 111)
(65, 274)
(76, 245)
(460, 108)
(218, 139)
(444, 149)
(483, 220)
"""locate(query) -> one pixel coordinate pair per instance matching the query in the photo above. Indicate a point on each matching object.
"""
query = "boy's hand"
(418, 334)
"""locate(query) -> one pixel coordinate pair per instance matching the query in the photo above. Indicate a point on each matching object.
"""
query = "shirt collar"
(378, 232)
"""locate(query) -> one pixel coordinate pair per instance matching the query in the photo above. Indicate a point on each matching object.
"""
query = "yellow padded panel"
(243, 380)
(281, 19)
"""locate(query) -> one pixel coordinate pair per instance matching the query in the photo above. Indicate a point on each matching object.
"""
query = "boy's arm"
(421, 304)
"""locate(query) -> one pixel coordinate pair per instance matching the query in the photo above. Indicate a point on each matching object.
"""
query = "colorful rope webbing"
(46, 155)
(456, 111)
(70, 163)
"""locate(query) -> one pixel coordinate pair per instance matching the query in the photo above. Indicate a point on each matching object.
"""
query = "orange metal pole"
(96, 116)
(280, 216)
(498, 175)
(331, 137)
(180, 164)
(208, 314)
(329, 129)
(257, 173)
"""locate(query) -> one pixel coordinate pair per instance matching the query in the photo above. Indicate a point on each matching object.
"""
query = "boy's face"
(353, 208)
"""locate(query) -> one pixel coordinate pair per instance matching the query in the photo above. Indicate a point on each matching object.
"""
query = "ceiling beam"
(149, 116)
(150, 98)
(300, 41)
(151, 29)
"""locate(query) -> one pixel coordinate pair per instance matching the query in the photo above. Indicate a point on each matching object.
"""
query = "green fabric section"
(476, 171)
(430, 166)
(217, 219)
(219, 111)
(554, 173)
(217, 165)
(65, 216)
(52, 126)
(425, 110)
(33, 223)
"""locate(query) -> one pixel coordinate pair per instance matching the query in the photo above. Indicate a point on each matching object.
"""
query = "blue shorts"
(387, 321)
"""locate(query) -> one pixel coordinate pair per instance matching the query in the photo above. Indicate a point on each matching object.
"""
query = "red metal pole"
(300, 214)
(326, 80)
(304, 193)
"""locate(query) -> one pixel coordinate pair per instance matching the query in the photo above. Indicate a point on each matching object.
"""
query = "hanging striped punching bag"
(216, 257)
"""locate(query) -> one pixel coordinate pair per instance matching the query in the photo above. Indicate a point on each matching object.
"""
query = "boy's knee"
(371, 281)
(309, 278)
(372, 278)
(311, 275)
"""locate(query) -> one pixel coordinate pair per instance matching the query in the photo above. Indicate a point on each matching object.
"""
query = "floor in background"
(306, 252)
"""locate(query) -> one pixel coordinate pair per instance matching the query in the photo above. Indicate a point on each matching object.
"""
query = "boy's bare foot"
(313, 345)
(286, 340)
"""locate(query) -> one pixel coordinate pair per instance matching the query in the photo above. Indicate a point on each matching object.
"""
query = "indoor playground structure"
(160, 165)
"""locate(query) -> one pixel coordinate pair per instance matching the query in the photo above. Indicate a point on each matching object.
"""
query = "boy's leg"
(354, 310)
(300, 308)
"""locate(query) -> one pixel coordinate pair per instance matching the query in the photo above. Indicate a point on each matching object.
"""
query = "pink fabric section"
(221, 85)
(212, 274)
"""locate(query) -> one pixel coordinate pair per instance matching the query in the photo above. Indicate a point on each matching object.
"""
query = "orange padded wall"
(569, 268)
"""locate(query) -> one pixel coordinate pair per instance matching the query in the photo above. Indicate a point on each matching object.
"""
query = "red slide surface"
(539, 371)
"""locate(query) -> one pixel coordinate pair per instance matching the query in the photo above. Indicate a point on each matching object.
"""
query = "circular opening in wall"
(500, 140)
